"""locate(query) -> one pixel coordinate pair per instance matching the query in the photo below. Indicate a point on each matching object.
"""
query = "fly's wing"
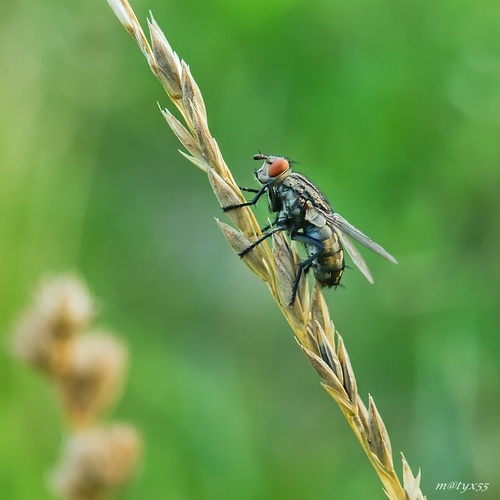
(317, 216)
(340, 223)
(313, 215)
(355, 255)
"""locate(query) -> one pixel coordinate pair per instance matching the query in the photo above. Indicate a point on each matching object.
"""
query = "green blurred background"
(392, 107)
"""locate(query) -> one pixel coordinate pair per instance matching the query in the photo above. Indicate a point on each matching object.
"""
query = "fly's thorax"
(292, 205)
(304, 188)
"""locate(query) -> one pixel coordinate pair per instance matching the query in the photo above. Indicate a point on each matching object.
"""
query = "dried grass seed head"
(94, 376)
(65, 303)
(61, 309)
(96, 462)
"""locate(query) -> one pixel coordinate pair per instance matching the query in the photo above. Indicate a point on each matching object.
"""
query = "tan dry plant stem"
(309, 317)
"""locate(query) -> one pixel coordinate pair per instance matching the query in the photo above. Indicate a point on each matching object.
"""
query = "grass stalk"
(309, 317)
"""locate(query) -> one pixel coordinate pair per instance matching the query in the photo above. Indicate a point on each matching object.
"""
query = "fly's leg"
(269, 226)
(261, 239)
(305, 264)
(255, 199)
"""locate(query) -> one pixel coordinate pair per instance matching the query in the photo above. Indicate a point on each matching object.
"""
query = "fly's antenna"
(260, 156)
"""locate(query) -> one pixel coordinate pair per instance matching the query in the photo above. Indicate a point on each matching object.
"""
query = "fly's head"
(274, 170)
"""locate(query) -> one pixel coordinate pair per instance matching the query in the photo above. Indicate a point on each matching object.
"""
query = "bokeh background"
(393, 108)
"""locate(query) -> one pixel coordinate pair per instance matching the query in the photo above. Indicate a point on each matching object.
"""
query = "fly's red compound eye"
(277, 167)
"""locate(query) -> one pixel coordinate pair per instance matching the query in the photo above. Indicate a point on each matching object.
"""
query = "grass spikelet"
(308, 317)
(228, 195)
(285, 270)
(94, 376)
(97, 461)
(412, 484)
(61, 309)
(239, 242)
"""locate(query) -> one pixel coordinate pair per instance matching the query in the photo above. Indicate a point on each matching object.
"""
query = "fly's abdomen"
(329, 265)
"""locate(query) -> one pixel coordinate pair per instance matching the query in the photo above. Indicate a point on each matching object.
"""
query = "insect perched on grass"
(304, 212)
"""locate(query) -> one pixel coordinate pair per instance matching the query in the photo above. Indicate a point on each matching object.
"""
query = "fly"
(303, 211)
